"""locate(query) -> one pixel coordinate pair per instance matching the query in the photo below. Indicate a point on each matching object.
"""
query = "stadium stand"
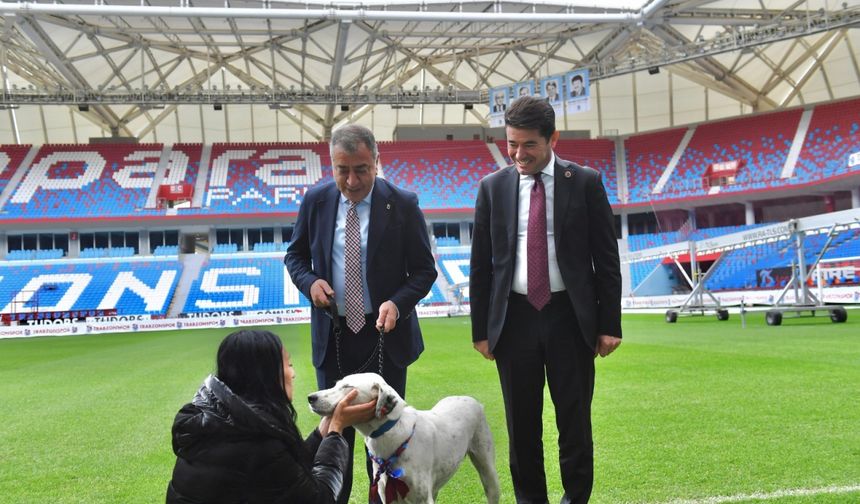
(640, 270)
(244, 283)
(742, 268)
(185, 159)
(10, 159)
(166, 250)
(833, 136)
(444, 174)
(760, 142)
(29, 255)
(263, 177)
(94, 181)
(132, 287)
(454, 263)
(435, 296)
(647, 156)
(650, 240)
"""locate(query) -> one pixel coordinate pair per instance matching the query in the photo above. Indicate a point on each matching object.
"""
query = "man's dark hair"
(577, 78)
(532, 113)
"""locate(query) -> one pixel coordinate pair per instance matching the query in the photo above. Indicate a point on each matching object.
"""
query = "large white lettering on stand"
(281, 181)
(37, 178)
(155, 298)
(78, 281)
(125, 176)
(209, 284)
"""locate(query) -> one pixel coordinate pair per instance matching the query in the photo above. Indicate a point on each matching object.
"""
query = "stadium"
(154, 156)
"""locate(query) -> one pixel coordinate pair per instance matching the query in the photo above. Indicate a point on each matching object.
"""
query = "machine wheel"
(838, 315)
(722, 314)
(671, 316)
(773, 318)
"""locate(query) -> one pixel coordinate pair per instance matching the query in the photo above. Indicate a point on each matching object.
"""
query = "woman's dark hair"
(251, 363)
(531, 113)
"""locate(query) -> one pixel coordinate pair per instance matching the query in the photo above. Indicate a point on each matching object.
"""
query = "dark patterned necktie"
(537, 266)
(353, 293)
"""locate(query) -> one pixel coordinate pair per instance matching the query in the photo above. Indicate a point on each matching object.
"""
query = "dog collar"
(384, 428)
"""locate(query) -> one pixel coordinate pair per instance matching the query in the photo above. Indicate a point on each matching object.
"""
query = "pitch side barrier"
(104, 325)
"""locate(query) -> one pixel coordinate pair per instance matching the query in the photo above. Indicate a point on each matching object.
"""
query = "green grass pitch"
(682, 412)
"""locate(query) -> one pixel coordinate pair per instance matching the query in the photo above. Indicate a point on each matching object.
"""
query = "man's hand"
(320, 292)
(388, 314)
(483, 346)
(606, 344)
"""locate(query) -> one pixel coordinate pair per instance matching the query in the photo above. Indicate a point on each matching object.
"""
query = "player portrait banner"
(525, 88)
(499, 99)
(577, 92)
(550, 90)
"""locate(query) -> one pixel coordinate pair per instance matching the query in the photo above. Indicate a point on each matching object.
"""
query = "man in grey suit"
(545, 291)
(363, 242)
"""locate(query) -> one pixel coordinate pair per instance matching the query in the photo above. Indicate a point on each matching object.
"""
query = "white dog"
(418, 451)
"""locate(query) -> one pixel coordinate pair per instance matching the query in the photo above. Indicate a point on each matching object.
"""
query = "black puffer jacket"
(228, 451)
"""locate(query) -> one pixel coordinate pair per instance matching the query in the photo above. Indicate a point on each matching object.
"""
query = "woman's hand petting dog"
(347, 414)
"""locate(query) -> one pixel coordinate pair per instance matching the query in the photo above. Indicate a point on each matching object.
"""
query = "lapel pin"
(388, 206)
(567, 174)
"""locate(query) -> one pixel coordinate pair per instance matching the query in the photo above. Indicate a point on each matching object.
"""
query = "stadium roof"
(142, 68)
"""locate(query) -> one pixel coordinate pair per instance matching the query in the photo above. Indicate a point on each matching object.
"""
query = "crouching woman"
(237, 440)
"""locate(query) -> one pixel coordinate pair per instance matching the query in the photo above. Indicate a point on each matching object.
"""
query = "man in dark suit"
(362, 242)
(545, 291)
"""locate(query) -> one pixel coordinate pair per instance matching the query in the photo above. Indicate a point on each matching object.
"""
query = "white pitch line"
(758, 496)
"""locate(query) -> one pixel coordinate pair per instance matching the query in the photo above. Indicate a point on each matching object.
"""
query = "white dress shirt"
(520, 284)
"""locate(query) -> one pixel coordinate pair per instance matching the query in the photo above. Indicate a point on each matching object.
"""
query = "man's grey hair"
(349, 136)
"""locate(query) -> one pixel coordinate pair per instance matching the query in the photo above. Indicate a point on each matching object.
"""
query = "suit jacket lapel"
(564, 178)
(510, 199)
(327, 211)
(380, 212)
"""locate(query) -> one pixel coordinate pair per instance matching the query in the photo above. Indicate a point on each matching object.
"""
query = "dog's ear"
(386, 400)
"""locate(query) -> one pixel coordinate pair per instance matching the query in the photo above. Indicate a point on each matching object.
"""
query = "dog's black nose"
(312, 398)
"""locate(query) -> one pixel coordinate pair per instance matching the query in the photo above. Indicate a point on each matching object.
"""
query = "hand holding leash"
(322, 294)
(387, 319)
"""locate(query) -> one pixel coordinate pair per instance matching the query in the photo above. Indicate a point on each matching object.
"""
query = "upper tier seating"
(10, 159)
(444, 174)
(263, 177)
(186, 162)
(647, 156)
(597, 153)
(833, 135)
(131, 287)
(762, 142)
(109, 180)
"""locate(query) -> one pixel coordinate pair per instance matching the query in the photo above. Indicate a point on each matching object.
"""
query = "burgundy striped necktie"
(537, 267)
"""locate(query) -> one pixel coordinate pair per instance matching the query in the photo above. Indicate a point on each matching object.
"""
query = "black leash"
(338, 329)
